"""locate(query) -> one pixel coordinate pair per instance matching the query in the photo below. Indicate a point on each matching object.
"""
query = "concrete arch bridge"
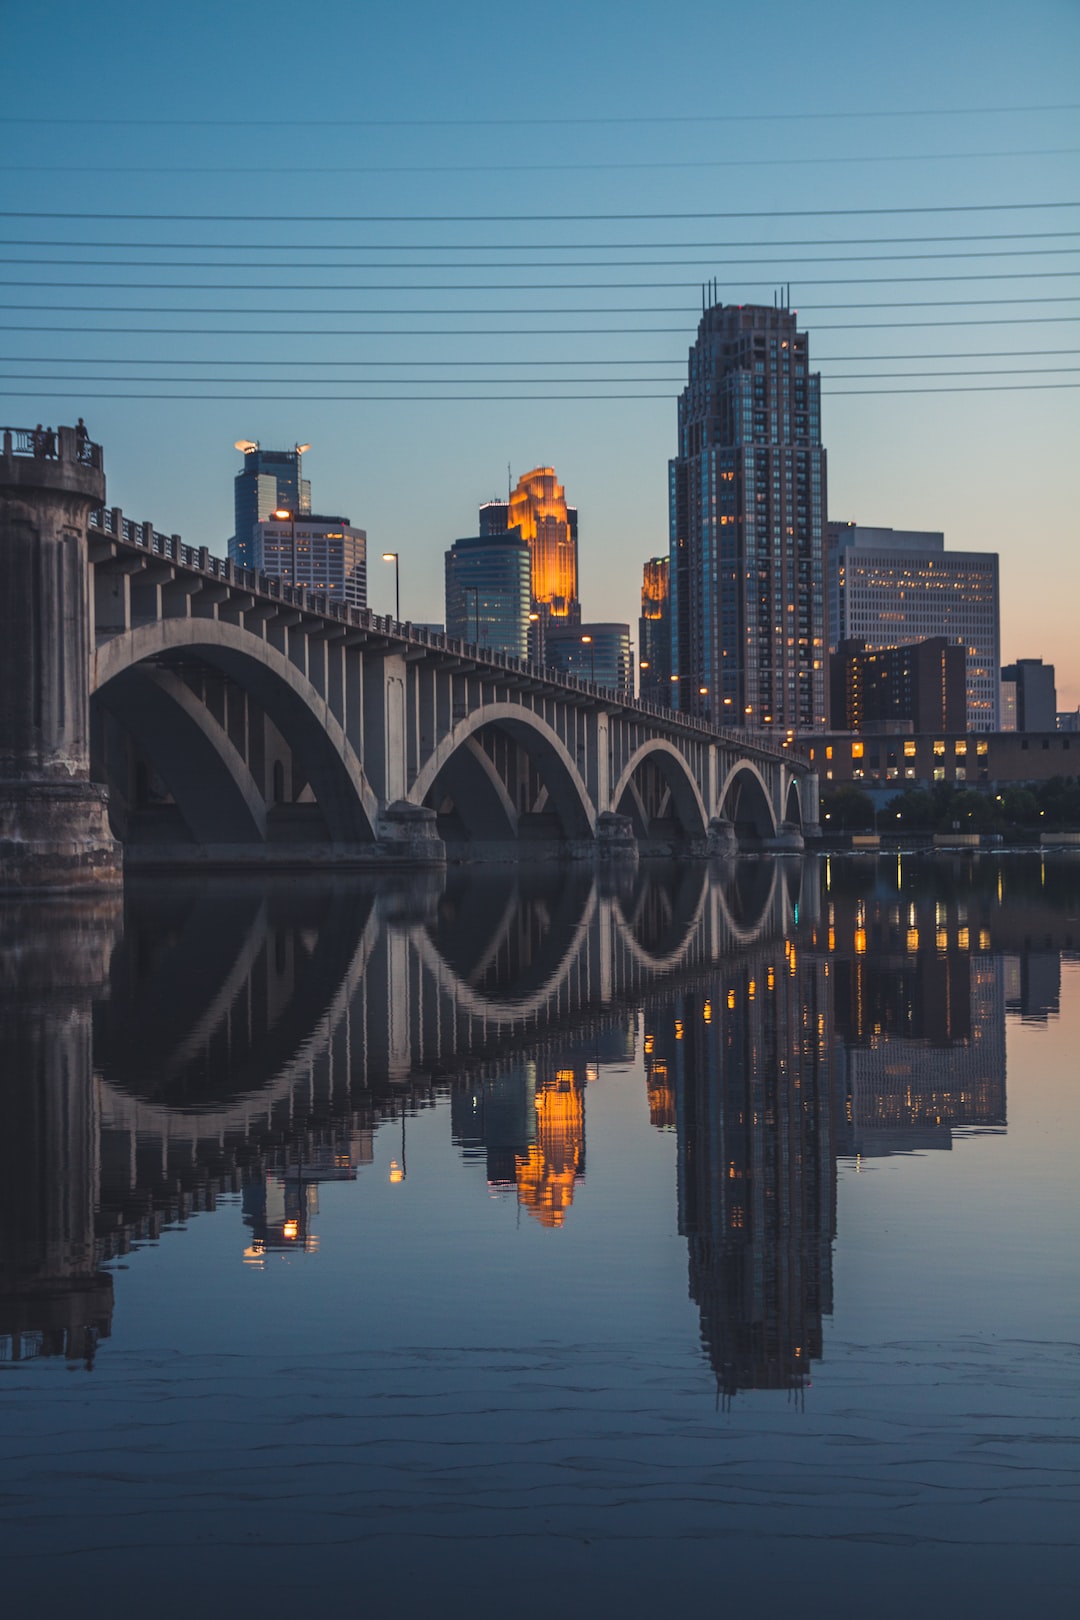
(239, 720)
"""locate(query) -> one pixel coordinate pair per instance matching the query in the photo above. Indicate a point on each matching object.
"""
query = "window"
(909, 750)
(857, 750)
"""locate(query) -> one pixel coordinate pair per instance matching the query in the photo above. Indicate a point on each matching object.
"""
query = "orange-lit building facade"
(538, 508)
(654, 633)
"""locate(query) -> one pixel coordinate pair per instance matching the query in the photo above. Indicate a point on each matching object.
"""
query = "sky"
(413, 261)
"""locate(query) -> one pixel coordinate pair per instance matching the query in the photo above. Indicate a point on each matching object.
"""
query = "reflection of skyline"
(746, 1073)
(247, 1028)
(919, 1011)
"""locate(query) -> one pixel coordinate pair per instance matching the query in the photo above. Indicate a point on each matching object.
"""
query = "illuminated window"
(857, 750)
(909, 749)
(939, 749)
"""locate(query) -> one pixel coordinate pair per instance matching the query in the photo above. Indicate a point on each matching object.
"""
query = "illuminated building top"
(538, 508)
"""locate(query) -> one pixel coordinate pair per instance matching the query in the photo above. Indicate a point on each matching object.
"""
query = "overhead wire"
(526, 121)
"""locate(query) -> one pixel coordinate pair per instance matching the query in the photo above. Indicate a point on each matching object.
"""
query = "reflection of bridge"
(249, 1027)
(226, 1033)
(238, 719)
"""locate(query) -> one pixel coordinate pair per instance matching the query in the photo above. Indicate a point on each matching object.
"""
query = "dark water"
(700, 1236)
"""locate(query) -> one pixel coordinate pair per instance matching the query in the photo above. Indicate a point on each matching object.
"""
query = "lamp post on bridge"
(392, 556)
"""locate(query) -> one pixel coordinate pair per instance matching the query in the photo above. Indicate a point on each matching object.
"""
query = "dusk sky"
(911, 172)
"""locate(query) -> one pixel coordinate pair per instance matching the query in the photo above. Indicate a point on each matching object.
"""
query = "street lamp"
(282, 516)
(392, 556)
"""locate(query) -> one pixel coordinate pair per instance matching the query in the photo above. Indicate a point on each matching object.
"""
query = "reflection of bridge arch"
(193, 1028)
(539, 999)
(452, 757)
(681, 925)
(685, 794)
(745, 801)
(746, 928)
(187, 749)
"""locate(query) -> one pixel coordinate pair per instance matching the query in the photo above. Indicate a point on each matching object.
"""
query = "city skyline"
(883, 197)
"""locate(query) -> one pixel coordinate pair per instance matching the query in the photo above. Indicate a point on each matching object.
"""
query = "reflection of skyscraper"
(753, 1109)
(919, 1018)
(529, 1123)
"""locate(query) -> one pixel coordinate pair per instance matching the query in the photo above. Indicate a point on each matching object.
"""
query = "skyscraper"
(747, 505)
(654, 633)
(889, 587)
(271, 481)
(324, 553)
(538, 508)
(487, 592)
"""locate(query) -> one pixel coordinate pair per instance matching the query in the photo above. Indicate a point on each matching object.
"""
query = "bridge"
(168, 701)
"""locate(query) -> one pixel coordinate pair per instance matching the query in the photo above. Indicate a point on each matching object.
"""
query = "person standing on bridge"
(82, 439)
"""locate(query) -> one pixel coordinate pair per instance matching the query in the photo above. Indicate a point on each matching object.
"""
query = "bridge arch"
(746, 802)
(793, 803)
(493, 808)
(686, 798)
(283, 691)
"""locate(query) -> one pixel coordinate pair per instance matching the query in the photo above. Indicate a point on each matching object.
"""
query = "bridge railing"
(111, 521)
(61, 444)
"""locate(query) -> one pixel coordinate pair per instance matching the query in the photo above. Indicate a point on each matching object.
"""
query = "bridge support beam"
(54, 830)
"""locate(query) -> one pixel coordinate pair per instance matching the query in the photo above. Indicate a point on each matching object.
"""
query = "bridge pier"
(54, 829)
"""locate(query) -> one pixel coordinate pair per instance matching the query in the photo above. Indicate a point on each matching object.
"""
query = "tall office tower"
(890, 587)
(324, 553)
(747, 502)
(593, 652)
(538, 508)
(494, 517)
(654, 634)
(487, 592)
(1034, 694)
(272, 480)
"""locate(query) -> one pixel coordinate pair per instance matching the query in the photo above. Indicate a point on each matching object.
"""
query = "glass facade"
(747, 514)
(890, 594)
(324, 553)
(593, 652)
(271, 481)
(488, 593)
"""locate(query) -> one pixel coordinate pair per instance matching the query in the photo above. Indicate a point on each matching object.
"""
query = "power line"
(484, 382)
(216, 360)
(521, 286)
(530, 219)
(438, 399)
(505, 331)
(544, 247)
(689, 310)
(577, 167)
(503, 123)
(570, 264)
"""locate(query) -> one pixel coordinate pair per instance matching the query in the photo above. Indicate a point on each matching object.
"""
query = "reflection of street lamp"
(397, 1171)
(587, 641)
(474, 592)
(392, 556)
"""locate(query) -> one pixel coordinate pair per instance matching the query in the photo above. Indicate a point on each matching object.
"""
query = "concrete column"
(54, 961)
(54, 830)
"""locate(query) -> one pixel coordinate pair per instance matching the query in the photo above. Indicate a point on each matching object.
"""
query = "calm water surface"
(701, 1235)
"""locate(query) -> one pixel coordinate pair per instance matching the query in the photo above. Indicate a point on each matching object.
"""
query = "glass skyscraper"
(747, 510)
(271, 481)
(487, 591)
